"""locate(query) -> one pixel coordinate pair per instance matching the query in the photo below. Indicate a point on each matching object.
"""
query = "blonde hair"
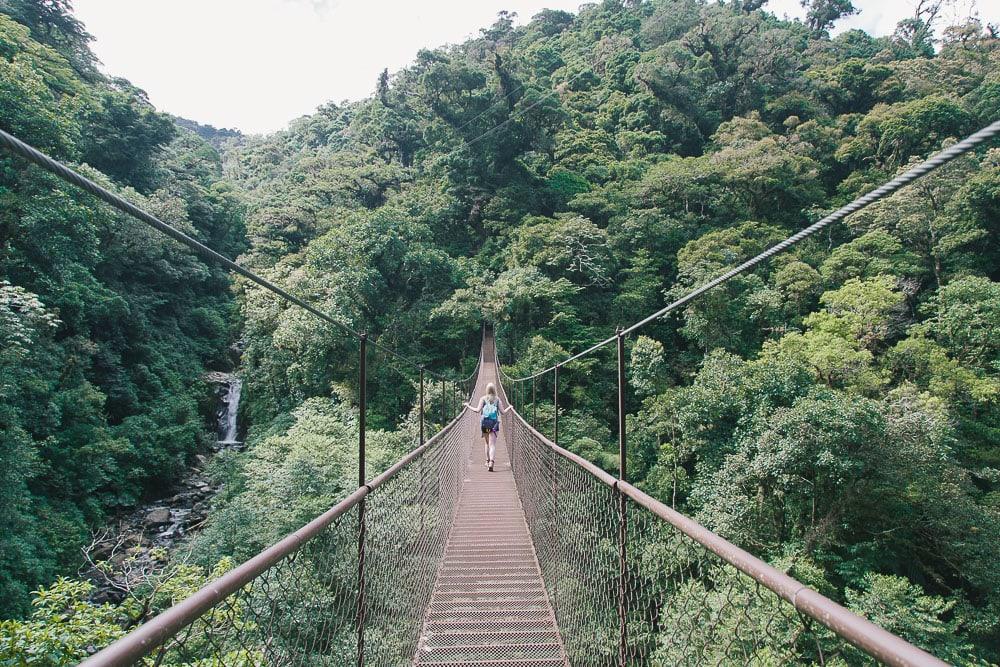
(491, 390)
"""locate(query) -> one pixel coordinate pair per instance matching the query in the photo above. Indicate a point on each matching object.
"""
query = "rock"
(201, 459)
(218, 377)
(158, 516)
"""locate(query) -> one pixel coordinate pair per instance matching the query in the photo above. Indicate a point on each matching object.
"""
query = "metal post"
(362, 407)
(622, 535)
(555, 531)
(423, 505)
(534, 404)
(444, 405)
(362, 410)
(555, 408)
(622, 459)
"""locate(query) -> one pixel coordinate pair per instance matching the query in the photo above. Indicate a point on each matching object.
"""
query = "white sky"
(257, 64)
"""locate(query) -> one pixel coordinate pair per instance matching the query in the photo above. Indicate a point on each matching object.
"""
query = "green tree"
(822, 14)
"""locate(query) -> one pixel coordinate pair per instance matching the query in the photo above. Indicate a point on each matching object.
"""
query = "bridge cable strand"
(524, 86)
(519, 88)
(520, 112)
(938, 160)
(35, 156)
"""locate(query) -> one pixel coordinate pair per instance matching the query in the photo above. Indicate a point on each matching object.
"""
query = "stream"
(129, 542)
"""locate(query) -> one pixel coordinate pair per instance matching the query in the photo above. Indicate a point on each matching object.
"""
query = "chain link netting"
(683, 605)
(304, 609)
(408, 521)
(300, 611)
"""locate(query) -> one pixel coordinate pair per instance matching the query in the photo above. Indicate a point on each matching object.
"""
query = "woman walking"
(489, 408)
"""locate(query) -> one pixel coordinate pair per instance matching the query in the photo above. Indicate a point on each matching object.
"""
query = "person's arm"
(477, 409)
(508, 408)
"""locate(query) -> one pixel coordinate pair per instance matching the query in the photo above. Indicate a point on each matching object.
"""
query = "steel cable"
(38, 158)
(938, 160)
(522, 87)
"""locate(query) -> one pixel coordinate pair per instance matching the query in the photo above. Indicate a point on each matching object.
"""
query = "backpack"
(491, 414)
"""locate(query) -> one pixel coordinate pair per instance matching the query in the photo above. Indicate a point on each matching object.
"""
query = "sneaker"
(491, 466)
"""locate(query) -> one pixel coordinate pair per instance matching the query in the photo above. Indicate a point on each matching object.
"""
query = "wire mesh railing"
(408, 521)
(299, 611)
(632, 582)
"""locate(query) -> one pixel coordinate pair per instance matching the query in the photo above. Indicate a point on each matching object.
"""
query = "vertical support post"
(444, 405)
(555, 408)
(362, 414)
(622, 458)
(421, 405)
(622, 527)
(534, 404)
(555, 532)
(423, 505)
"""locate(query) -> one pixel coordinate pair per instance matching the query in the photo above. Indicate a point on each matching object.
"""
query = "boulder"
(158, 516)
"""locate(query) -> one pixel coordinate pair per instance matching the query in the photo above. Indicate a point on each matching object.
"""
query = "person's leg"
(493, 447)
(486, 446)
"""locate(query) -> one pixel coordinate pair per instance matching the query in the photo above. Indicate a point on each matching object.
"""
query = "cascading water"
(227, 413)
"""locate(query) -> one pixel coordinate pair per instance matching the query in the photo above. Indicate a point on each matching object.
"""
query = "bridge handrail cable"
(859, 631)
(40, 159)
(927, 166)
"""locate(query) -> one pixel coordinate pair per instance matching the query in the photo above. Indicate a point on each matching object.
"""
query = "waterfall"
(228, 412)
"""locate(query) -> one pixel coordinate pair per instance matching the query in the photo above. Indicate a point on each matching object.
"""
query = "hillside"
(106, 327)
(834, 412)
(835, 408)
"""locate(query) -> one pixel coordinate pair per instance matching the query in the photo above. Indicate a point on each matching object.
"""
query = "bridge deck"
(489, 605)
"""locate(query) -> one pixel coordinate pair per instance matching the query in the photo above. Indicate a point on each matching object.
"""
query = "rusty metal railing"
(634, 582)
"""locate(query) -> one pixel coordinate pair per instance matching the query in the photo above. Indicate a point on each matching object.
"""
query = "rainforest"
(835, 412)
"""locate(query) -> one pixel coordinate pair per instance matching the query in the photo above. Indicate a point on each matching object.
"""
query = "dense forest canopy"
(836, 409)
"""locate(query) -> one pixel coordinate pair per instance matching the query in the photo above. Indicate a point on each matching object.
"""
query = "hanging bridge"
(547, 560)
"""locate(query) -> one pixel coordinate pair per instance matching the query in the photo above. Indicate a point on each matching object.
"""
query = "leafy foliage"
(106, 326)
(838, 407)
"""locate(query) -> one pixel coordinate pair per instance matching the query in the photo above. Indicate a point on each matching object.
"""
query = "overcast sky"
(257, 64)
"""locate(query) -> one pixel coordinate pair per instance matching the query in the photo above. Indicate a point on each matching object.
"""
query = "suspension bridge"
(546, 560)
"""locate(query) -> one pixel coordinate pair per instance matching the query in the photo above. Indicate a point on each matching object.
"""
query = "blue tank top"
(490, 410)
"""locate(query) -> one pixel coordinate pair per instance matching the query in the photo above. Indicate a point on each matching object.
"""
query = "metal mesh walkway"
(489, 605)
